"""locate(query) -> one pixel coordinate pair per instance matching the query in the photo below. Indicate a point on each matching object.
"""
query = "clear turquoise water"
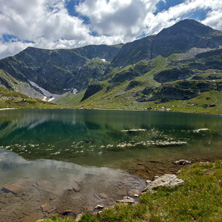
(104, 138)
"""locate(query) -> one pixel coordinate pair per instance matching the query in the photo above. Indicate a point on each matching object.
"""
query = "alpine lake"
(67, 161)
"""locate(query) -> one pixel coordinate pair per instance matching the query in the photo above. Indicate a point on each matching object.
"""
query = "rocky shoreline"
(66, 204)
(29, 200)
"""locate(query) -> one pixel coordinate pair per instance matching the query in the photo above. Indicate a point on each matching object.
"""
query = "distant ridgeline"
(180, 67)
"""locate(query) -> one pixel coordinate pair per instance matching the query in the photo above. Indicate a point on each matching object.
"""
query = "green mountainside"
(56, 71)
(179, 69)
(12, 99)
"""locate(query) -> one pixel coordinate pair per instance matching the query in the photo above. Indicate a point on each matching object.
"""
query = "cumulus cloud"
(114, 17)
(48, 23)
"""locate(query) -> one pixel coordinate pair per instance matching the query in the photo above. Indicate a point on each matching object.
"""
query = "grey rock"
(132, 85)
(127, 200)
(99, 207)
(165, 180)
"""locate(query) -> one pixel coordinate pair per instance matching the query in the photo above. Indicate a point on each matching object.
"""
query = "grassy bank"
(198, 199)
(12, 99)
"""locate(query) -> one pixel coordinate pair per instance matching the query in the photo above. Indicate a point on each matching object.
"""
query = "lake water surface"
(67, 161)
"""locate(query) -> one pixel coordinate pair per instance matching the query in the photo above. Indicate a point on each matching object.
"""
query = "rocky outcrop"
(169, 92)
(148, 90)
(171, 75)
(132, 85)
(91, 90)
(181, 90)
(168, 180)
(124, 75)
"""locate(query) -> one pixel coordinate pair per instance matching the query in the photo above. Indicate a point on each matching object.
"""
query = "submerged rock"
(102, 195)
(165, 180)
(19, 187)
(134, 193)
(76, 187)
(48, 208)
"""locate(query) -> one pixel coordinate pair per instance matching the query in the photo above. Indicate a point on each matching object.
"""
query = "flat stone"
(47, 208)
(165, 180)
(103, 196)
(127, 200)
(19, 187)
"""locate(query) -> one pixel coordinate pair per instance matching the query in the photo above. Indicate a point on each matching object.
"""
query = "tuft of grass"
(198, 199)
(57, 219)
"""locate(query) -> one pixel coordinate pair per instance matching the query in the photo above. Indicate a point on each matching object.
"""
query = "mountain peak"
(187, 26)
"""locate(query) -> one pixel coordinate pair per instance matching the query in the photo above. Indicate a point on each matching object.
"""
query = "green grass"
(198, 199)
(117, 97)
(57, 219)
(12, 99)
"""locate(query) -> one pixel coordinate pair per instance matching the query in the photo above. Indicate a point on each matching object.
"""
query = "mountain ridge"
(148, 63)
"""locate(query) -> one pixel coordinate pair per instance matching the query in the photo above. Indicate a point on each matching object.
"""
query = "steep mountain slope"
(57, 70)
(179, 38)
(173, 83)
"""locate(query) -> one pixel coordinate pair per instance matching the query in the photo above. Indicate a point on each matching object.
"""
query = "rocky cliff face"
(58, 71)
(179, 38)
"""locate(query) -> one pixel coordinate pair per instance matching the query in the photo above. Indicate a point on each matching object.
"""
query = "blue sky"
(73, 23)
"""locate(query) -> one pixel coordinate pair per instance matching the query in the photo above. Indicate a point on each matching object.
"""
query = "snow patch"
(49, 100)
(47, 96)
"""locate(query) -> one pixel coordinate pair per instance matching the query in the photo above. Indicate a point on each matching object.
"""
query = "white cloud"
(48, 24)
(114, 17)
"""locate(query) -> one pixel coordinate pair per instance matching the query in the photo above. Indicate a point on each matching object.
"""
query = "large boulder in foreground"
(168, 180)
